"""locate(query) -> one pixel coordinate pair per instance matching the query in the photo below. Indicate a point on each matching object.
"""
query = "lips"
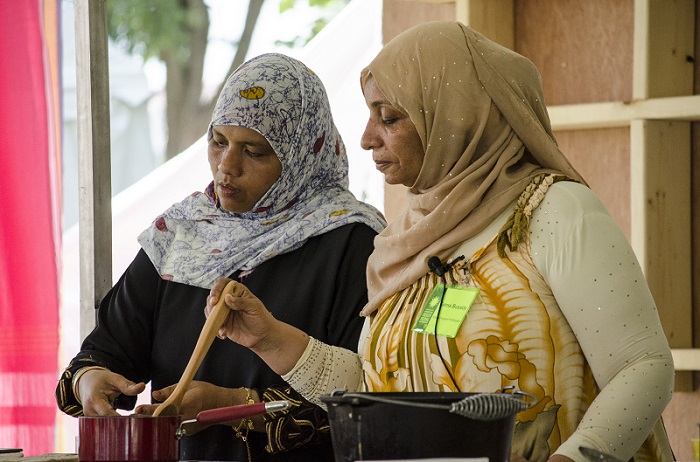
(227, 190)
(382, 164)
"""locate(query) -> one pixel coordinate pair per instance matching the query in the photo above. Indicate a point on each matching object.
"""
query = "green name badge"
(448, 310)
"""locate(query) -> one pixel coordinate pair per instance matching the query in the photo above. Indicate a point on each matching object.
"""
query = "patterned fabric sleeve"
(324, 368)
(65, 397)
(303, 424)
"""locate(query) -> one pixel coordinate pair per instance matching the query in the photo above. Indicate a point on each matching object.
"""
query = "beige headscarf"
(480, 112)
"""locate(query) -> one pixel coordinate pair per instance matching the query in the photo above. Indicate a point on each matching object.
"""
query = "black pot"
(418, 425)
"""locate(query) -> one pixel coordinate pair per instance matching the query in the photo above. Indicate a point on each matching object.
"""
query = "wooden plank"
(399, 15)
(583, 49)
(621, 114)
(681, 421)
(664, 30)
(660, 177)
(94, 175)
(686, 359)
(600, 155)
(493, 18)
(660, 208)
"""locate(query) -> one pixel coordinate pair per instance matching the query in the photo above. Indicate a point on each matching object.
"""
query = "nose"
(230, 162)
(369, 139)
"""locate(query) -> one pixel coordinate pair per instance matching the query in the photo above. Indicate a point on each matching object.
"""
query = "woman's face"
(244, 166)
(396, 147)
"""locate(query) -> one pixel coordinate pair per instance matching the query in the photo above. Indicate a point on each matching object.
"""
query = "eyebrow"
(258, 144)
(381, 102)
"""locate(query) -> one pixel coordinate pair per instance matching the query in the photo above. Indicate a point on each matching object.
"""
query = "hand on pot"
(97, 389)
(200, 396)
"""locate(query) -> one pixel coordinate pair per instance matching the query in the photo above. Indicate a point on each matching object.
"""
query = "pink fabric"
(29, 225)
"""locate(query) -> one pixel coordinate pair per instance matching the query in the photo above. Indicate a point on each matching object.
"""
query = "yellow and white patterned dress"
(513, 335)
(565, 315)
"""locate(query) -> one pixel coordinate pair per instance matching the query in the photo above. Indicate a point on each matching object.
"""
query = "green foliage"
(153, 27)
(323, 4)
(328, 9)
(287, 5)
(156, 28)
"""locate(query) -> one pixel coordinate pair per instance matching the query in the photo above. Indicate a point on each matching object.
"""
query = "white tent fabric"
(337, 55)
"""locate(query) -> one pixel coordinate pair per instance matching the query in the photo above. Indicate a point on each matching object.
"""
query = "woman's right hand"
(250, 324)
(97, 389)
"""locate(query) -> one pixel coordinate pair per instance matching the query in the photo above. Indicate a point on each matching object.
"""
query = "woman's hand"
(200, 396)
(97, 389)
(250, 324)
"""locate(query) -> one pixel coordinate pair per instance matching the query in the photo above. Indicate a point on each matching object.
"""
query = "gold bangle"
(249, 396)
(79, 373)
(246, 425)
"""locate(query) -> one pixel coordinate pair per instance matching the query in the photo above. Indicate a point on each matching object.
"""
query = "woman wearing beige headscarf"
(561, 309)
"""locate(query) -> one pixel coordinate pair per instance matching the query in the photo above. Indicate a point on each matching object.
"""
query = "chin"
(391, 179)
(234, 209)
(398, 181)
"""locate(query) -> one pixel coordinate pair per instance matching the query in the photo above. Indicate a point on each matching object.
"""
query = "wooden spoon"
(171, 406)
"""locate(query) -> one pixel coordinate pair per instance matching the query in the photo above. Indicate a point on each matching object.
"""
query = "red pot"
(148, 438)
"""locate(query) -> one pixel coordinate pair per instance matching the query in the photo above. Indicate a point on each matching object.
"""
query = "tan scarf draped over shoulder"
(480, 113)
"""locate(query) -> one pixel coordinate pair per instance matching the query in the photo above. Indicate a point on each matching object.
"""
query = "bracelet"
(246, 424)
(79, 373)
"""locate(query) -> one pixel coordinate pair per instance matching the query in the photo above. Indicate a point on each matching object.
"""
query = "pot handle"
(493, 406)
(240, 411)
(226, 414)
(479, 406)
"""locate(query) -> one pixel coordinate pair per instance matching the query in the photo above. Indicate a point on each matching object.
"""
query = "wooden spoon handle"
(206, 338)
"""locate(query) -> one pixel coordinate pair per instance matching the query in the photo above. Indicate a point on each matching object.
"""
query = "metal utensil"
(595, 455)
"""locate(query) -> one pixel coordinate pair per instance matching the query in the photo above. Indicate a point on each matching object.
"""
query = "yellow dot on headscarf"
(338, 213)
(253, 93)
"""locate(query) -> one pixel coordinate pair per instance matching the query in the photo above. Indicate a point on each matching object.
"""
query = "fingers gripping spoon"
(171, 406)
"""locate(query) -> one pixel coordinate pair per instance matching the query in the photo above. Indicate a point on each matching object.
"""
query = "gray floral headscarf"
(195, 241)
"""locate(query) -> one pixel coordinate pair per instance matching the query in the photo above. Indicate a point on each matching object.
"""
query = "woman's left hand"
(200, 396)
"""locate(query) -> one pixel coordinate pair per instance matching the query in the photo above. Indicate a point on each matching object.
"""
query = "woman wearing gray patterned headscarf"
(278, 216)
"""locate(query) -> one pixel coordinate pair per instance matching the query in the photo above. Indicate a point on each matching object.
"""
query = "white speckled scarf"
(195, 241)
